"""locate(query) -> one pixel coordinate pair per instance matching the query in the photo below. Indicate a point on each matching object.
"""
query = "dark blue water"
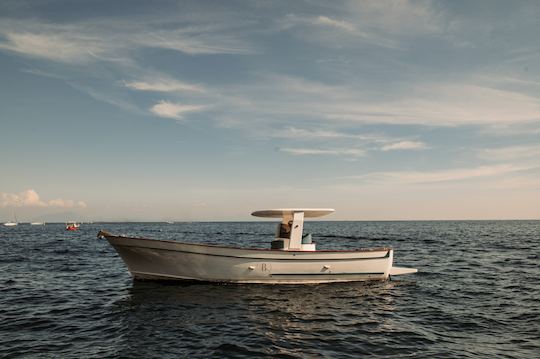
(477, 294)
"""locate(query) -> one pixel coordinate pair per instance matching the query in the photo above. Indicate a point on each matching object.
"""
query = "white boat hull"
(171, 260)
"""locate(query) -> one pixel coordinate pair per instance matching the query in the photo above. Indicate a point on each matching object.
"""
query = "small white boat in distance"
(37, 223)
(14, 222)
(292, 258)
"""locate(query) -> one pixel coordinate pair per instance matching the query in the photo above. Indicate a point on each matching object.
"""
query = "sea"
(476, 295)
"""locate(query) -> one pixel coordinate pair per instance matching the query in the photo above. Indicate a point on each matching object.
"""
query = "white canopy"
(280, 213)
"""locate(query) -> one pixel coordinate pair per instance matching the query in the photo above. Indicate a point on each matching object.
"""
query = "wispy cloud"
(343, 152)
(325, 134)
(375, 23)
(511, 153)
(448, 105)
(378, 141)
(292, 20)
(404, 145)
(174, 110)
(55, 46)
(469, 100)
(435, 104)
(338, 24)
(30, 198)
(399, 17)
(163, 85)
(115, 40)
(450, 175)
(195, 43)
(328, 30)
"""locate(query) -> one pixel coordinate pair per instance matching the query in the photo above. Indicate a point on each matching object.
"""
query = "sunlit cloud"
(174, 110)
(115, 41)
(163, 85)
(457, 103)
(327, 30)
(346, 152)
(66, 203)
(338, 24)
(448, 175)
(30, 198)
(404, 145)
(321, 20)
(378, 23)
(510, 153)
(442, 105)
(54, 46)
(195, 43)
(324, 134)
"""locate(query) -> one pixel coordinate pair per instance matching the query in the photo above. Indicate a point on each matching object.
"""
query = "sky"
(209, 110)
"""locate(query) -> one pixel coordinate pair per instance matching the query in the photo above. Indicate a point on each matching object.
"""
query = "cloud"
(308, 134)
(317, 29)
(66, 203)
(459, 174)
(404, 145)
(303, 86)
(174, 110)
(61, 47)
(115, 40)
(30, 198)
(338, 24)
(510, 153)
(292, 20)
(163, 85)
(193, 42)
(353, 98)
(445, 105)
(398, 17)
(466, 101)
(384, 24)
(349, 152)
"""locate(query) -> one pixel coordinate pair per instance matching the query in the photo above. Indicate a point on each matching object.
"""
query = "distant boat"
(72, 226)
(291, 259)
(37, 223)
(12, 223)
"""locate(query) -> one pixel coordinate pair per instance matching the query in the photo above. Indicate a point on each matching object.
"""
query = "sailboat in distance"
(13, 222)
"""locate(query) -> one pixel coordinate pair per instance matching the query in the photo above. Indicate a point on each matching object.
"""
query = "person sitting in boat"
(285, 230)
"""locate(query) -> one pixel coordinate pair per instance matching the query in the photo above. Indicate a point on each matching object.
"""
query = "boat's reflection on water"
(213, 319)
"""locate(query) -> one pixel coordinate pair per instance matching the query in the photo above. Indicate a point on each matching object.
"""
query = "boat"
(12, 223)
(37, 223)
(72, 226)
(291, 259)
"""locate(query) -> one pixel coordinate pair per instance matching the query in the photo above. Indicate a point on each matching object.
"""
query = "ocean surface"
(477, 295)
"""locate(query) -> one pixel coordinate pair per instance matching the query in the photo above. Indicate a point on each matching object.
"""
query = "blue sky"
(178, 110)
